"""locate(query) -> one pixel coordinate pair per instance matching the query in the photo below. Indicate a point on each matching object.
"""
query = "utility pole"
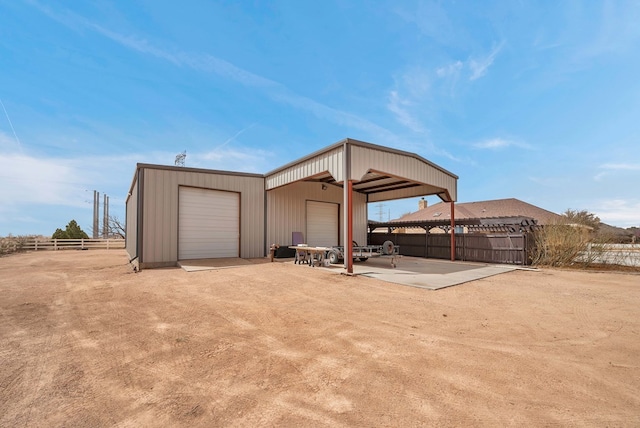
(105, 218)
(96, 213)
(380, 207)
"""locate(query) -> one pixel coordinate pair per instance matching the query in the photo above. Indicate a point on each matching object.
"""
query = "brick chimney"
(422, 204)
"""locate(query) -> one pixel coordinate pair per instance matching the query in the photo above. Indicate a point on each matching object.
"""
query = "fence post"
(82, 243)
(426, 242)
(36, 246)
(55, 244)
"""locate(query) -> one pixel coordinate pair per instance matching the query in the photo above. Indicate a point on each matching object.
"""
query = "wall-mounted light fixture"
(324, 186)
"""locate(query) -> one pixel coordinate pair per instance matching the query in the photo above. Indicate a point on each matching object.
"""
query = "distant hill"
(618, 234)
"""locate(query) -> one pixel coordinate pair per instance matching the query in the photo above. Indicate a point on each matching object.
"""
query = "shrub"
(560, 244)
(11, 244)
(72, 231)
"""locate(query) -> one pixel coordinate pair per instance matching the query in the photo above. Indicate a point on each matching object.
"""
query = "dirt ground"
(84, 341)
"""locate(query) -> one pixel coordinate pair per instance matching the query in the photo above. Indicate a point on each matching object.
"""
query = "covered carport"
(363, 173)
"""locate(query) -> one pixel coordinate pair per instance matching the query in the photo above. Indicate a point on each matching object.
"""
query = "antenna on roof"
(180, 157)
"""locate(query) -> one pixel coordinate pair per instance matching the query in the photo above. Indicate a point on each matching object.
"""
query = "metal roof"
(379, 172)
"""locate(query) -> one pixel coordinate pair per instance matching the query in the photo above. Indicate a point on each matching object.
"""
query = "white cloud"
(7, 142)
(35, 191)
(480, 66)
(26, 179)
(500, 143)
(407, 96)
(619, 212)
(206, 63)
(611, 168)
(452, 69)
(238, 159)
(431, 19)
(616, 30)
(621, 166)
(399, 107)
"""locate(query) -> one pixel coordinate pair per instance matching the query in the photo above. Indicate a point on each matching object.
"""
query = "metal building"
(177, 213)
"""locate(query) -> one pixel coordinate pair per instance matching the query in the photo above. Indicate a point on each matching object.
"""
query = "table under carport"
(365, 173)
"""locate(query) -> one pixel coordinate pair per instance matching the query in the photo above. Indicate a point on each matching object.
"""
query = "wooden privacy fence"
(489, 248)
(38, 244)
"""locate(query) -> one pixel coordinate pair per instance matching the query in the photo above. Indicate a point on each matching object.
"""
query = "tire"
(364, 259)
(333, 257)
(387, 248)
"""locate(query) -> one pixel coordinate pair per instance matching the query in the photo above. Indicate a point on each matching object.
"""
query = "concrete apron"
(427, 273)
(212, 264)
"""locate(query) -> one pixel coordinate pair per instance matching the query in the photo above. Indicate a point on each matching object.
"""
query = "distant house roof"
(510, 207)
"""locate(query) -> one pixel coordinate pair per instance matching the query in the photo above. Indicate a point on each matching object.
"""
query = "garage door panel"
(322, 223)
(208, 224)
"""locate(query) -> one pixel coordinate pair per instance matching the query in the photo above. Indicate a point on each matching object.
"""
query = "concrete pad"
(212, 264)
(427, 273)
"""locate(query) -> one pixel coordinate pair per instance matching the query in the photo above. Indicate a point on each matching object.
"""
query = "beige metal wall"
(364, 159)
(132, 222)
(331, 161)
(160, 211)
(286, 211)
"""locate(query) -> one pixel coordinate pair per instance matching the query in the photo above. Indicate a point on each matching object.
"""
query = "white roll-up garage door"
(322, 224)
(208, 224)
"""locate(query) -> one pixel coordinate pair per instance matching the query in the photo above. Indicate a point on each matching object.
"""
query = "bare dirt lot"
(86, 342)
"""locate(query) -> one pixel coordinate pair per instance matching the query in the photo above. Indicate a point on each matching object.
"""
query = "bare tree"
(117, 227)
(583, 217)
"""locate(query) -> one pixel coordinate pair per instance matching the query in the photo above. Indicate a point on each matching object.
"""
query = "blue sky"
(538, 101)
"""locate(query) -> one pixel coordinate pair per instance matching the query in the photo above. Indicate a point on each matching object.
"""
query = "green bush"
(72, 231)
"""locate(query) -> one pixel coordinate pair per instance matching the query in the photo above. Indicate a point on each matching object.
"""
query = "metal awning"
(379, 172)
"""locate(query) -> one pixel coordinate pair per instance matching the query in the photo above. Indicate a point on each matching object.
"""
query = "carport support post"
(348, 247)
(453, 233)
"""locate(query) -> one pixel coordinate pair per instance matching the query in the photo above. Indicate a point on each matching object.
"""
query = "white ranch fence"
(613, 254)
(39, 244)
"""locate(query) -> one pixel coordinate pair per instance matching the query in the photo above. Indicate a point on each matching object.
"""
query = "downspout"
(264, 234)
(139, 246)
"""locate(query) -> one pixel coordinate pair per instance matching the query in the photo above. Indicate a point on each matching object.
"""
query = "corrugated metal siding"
(132, 222)
(364, 159)
(404, 193)
(286, 211)
(331, 161)
(160, 223)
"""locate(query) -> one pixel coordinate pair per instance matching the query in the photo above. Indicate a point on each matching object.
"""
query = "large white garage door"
(208, 224)
(322, 224)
